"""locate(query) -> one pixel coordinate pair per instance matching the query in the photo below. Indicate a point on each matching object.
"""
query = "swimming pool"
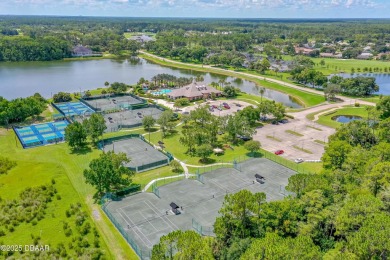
(163, 91)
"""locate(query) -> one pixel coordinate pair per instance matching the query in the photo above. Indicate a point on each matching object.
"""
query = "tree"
(336, 154)
(331, 90)
(384, 107)
(62, 97)
(204, 151)
(108, 173)
(175, 166)
(279, 111)
(75, 135)
(165, 121)
(252, 146)
(95, 126)
(182, 245)
(235, 216)
(275, 247)
(238, 126)
(262, 91)
(322, 62)
(148, 122)
(106, 84)
(229, 91)
(181, 102)
(371, 241)
(355, 210)
(6, 165)
(250, 114)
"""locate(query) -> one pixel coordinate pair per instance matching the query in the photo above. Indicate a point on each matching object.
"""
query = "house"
(194, 91)
(331, 55)
(364, 56)
(81, 51)
(303, 50)
(141, 38)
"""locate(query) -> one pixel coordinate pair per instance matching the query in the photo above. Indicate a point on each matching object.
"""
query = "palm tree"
(262, 91)
(222, 82)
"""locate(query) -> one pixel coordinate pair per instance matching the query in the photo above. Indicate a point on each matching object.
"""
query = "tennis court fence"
(143, 167)
(143, 254)
(203, 230)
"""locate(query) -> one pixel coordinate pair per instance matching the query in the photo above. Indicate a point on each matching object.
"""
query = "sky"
(202, 8)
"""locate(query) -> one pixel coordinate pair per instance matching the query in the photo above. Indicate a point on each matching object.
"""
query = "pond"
(346, 119)
(22, 79)
(382, 80)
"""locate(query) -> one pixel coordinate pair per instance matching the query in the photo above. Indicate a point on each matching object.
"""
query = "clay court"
(145, 217)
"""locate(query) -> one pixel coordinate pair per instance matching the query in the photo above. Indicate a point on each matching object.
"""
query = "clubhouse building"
(194, 91)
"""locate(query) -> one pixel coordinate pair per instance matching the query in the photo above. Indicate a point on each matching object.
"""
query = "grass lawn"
(144, 178)
(373, 99)
(326, 119)
(333, 66)
(306, 98)
(310, 167)
(36, 166)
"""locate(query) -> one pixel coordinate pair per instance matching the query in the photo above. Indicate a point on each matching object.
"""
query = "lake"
(382, 80)
(22, 79)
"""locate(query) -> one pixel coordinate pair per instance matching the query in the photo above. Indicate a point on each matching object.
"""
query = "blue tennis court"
(41, 134)
(73, 108)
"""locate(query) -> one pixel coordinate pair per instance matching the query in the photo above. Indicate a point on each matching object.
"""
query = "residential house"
(81, 51)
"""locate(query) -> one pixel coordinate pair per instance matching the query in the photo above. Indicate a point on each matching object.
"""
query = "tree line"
(19, 109)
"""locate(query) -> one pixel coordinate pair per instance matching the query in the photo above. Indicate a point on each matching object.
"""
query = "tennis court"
(129, 118)
(114, 103)
(73, 108)
(41, 134)
(143, 156)
(144, 217)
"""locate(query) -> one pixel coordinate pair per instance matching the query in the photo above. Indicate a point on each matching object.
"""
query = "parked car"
(244, 138)
(298, 160)
(226, 106)
(283, 121)
(186, 113)
(214, 106)
(263, 118)
(238, 105)
(219, 108)
(279, 152)
(211, 109)
(275, 122)
(224, 103)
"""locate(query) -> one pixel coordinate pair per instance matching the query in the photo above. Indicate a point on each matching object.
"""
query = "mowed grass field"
(333, 66)
(38, 166)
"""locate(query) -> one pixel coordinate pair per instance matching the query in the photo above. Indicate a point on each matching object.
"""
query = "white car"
(298, 160)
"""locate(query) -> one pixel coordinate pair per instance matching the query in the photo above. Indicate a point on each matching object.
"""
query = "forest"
(187, 39)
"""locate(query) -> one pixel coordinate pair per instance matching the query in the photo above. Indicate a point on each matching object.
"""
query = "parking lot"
(218, 108)
(274, 137)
